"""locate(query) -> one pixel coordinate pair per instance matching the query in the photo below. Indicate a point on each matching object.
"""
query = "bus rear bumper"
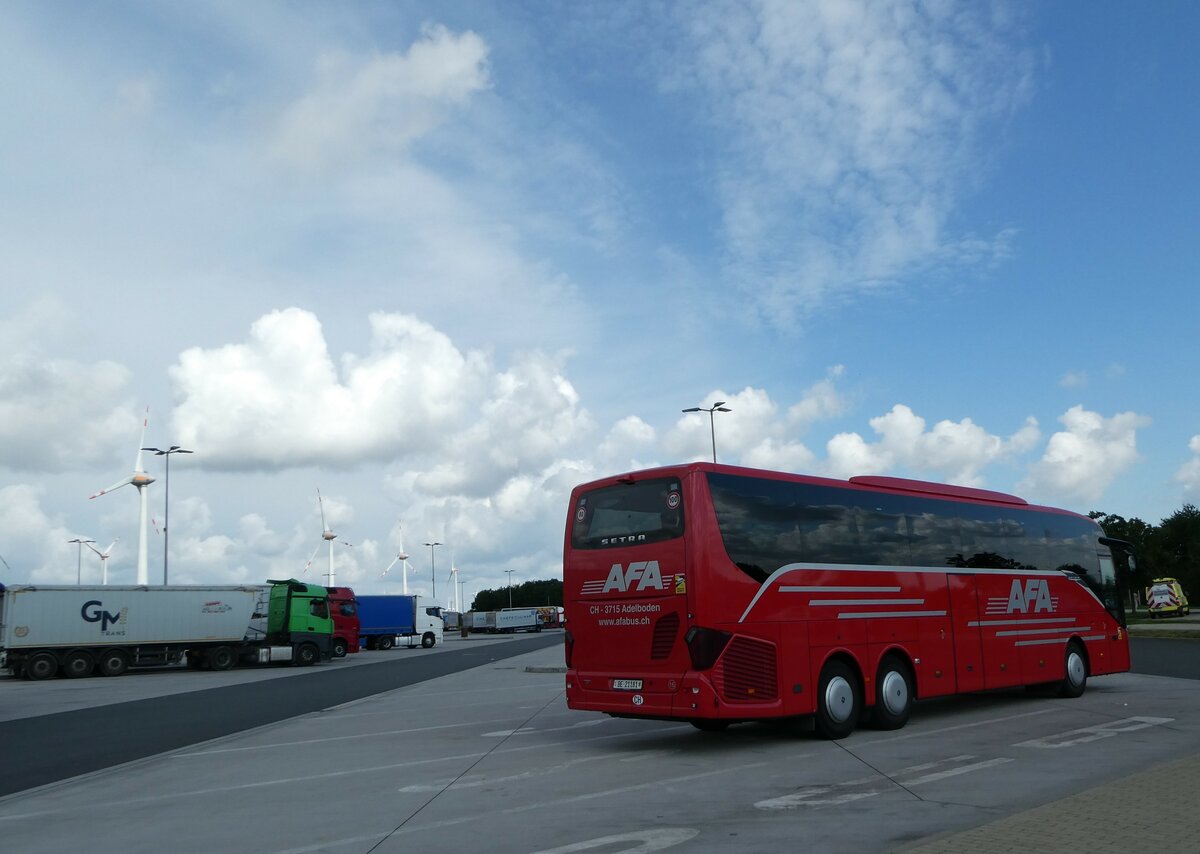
(686, 697)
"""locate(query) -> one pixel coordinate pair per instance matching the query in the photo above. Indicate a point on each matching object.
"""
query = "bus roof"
(869, 483)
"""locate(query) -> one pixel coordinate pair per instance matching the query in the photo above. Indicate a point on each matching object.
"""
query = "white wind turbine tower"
(140, 480)
(454, 595)
(104, 558)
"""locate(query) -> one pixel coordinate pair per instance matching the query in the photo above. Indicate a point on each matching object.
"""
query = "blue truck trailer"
(382, 620)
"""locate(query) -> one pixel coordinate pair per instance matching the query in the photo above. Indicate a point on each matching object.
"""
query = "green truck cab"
(298, 617)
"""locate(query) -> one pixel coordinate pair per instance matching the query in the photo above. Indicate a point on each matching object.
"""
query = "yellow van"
(1165, 598)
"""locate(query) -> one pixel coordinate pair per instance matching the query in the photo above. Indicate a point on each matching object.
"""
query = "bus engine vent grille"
(665, 631)
(746, 672)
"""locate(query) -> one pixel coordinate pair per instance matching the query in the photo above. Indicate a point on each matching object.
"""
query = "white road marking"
(649, 840)
(1093, 733)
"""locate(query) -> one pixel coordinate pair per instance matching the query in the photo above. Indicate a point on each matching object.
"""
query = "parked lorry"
(383, 619)
(1165, 598)
(482, 621)
(343, 607)
(77, 630)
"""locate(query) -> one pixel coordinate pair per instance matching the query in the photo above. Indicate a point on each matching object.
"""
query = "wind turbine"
(140, 480)
(328, 536)
(104, 558)
(401, 556)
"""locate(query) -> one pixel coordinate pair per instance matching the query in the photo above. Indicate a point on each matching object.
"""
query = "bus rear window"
(626, 514)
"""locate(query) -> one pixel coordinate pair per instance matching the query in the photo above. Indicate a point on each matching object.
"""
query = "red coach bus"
(716, 594)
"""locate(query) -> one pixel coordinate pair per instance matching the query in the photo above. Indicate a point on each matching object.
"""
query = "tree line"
(528, 594)
(1168, 549)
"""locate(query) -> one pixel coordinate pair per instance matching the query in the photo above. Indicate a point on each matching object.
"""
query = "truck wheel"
(78, 663)
(41, 665)
(221, 658)
(112, 662)
(340, 647)
(385, 643)
(428, 640)
(307, 655)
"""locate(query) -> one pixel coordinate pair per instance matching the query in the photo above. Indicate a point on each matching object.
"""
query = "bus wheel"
(838, 701)
(1077, 671)
(893, 694)
(709, 725)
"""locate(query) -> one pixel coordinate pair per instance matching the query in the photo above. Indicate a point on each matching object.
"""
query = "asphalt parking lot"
(489, 758)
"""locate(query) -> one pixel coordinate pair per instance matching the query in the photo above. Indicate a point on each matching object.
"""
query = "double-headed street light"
(433, 568)
(510, 572)
(79, 561)
(174, 449)
(719, 406)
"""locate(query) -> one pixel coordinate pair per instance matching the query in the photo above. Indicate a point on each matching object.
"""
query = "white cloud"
(1189, 472)
(58, 414)
(383, 103)
(852, 129)
(1074, 379)
(35, 543)
(277, 400)
(1082, 461)
(954, 450)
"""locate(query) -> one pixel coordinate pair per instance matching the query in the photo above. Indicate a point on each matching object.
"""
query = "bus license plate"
(627, 684)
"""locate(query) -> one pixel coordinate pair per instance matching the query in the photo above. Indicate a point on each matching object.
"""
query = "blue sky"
(443, 263)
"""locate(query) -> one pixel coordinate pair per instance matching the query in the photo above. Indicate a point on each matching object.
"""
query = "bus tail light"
(568, 646)
(705, 646)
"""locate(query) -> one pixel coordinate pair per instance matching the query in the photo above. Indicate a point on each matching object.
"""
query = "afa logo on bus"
(644, 572)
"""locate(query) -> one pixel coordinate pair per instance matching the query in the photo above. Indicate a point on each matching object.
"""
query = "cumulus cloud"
(853, 128)
(56, 414)
(35, 543)
(954, 450)
(1081, 461)
(277, 400)
(382, 102)
(1189, 472)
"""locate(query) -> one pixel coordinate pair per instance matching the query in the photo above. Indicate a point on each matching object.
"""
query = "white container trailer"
(46, 629)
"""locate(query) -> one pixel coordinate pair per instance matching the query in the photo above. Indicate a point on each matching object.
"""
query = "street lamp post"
(719, 406)
(79, 561)
(433, 568)
(510, 572)
(174, 449)
(461, 592)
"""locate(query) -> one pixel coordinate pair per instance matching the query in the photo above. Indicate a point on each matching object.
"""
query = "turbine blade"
(96, 550)
(116, 485)
(108, 550)
(310, 559)
(389, 566)
(321, 505)
(137, 465)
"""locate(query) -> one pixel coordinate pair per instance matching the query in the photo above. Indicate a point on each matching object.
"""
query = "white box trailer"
(519, 620)
(73, 629)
